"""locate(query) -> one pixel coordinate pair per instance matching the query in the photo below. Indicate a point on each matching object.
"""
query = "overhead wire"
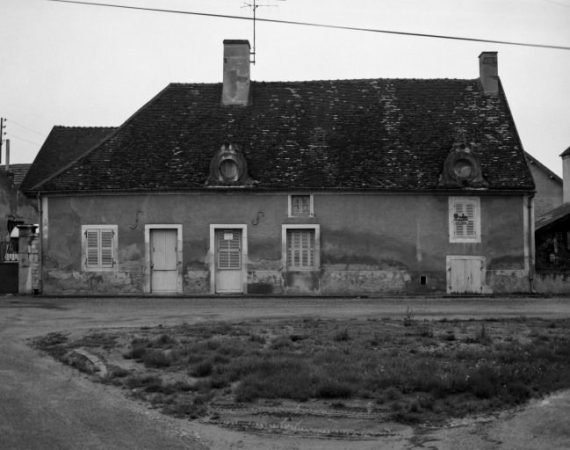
(320, 25)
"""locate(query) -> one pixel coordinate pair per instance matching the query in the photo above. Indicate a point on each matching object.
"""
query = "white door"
(465, 274)
(229, 261)
(164, 261)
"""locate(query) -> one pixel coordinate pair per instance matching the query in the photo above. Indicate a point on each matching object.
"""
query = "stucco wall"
(548, 191)
(370, 244)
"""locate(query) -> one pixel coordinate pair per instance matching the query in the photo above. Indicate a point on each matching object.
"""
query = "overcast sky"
(76, 65)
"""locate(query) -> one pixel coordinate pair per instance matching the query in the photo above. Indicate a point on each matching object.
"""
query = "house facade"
(346, 187)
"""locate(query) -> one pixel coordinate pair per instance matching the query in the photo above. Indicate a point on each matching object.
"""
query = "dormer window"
(229, 170)
(301, 205)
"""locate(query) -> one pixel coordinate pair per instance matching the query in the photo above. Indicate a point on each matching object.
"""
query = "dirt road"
(45, 405)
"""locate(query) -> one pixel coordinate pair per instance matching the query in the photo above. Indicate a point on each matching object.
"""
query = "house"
(331, 187)
(552, 232)
(548, 187)
(15, 209)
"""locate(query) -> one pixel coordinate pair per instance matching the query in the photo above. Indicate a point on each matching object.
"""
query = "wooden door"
(164, 261)
(465, 274)
(229, 261)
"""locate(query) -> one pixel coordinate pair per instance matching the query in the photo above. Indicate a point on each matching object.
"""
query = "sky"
(80, 65)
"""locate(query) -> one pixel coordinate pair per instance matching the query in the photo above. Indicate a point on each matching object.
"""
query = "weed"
(155, 359)
(408, 317)
(341, 335)
(328, 388)
(203, 369)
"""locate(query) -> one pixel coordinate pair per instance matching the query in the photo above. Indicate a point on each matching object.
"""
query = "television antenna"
(254, 5)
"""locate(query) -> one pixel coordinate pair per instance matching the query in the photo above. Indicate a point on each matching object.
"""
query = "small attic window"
(301, 205)
(229, 170)
(463, 168)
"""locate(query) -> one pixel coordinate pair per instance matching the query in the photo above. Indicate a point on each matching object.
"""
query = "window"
(464, 219)
(99, 247)
(301, 206)
(301, 247)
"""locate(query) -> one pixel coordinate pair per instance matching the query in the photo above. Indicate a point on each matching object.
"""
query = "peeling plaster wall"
(370, 243)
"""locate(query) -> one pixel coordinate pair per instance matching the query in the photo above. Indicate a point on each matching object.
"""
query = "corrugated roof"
(391, 134)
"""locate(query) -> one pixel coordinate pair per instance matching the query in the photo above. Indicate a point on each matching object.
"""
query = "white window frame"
(453, 236)
(290, 205)
(316, 249)
(114, 246)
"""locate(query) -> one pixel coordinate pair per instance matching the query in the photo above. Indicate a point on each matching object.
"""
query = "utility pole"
(2, 134)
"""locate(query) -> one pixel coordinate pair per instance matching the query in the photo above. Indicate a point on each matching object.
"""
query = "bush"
(333, 389)
(203, 369)
(276, 378)
(342, 335)
(155, 359)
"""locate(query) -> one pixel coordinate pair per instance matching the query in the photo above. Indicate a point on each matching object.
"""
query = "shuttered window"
(229, 249)
(99, 247)
(464, 219)
(300, 249)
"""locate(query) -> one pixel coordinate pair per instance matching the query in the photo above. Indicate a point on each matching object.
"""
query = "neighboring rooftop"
(62, 146)
(384, 134)
(19, 171)
(552, 216)
(533, 161)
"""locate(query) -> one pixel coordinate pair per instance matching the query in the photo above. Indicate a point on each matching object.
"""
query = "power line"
(320, 25)
(25, 140)
(26, 128)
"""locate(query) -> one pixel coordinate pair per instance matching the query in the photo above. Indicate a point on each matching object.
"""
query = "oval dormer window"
(463, 168)
(229, 170)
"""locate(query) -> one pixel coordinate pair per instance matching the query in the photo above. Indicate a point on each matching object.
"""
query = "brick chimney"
(489, 72)
(566, 175)
(236, 89)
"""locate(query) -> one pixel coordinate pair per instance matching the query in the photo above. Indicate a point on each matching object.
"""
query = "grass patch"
(411, 370)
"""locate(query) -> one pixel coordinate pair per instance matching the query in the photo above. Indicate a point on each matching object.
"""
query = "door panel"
(465, 275)
(229, 261)
(164, 261)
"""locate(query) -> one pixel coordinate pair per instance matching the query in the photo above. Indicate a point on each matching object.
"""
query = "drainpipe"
(531, 243)
(41, 246)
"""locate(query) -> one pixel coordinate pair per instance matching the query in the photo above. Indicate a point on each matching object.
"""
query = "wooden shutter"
(107, 248)
(300, 249)
(99, 248)
(464, 219)
(229, 249)
(92, 248)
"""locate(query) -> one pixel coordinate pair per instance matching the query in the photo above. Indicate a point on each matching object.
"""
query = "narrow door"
(164, 262)
(465, 275)
(229, 261)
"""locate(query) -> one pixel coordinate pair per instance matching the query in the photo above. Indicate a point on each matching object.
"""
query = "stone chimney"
(566, 176)
(489, 72)
(236, 89)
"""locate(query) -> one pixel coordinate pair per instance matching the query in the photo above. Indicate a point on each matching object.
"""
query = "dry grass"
(412, 370)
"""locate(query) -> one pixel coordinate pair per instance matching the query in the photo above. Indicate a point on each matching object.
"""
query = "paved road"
(46, 406)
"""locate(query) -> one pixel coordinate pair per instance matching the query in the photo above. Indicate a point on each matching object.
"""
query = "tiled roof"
(62, 146)
(349, 134)
(552, 216)
(532, 160)
(19, 171)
